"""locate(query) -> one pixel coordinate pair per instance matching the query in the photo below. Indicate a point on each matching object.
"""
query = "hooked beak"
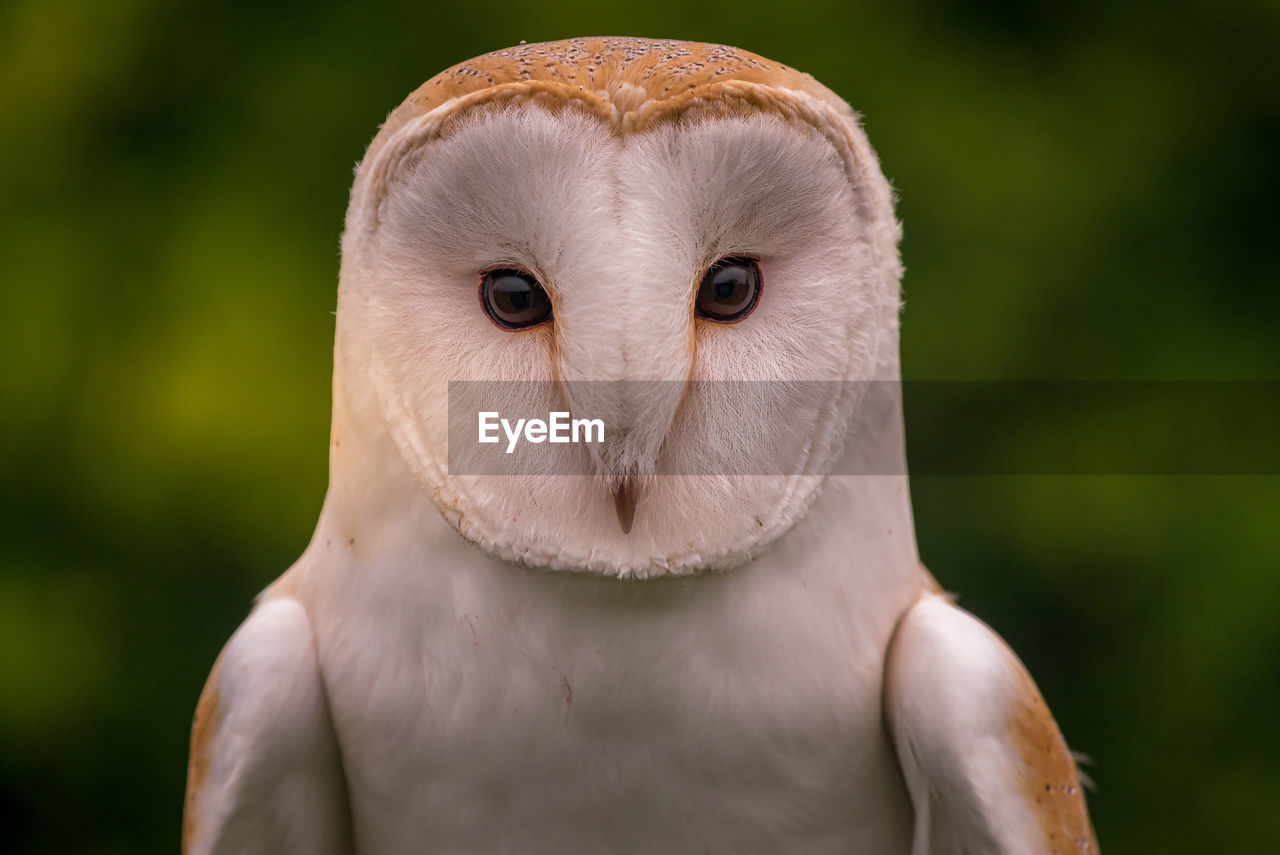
(624, 502)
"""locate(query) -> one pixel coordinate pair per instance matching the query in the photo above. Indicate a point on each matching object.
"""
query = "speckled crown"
(628, 76)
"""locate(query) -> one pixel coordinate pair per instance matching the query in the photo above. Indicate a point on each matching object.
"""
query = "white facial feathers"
(619, 229)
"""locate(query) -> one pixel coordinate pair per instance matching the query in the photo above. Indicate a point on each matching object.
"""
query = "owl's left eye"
(729, 290)
(513, 299)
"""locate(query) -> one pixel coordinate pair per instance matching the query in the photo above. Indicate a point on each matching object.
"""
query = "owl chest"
(532, 727)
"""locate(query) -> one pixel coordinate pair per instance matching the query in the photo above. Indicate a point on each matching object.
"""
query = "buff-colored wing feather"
(265, 774)
(987, 769)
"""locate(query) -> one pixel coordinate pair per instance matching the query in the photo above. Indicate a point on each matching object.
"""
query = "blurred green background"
(1089, 191)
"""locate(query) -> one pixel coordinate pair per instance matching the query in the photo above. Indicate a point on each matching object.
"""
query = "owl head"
(689, 243)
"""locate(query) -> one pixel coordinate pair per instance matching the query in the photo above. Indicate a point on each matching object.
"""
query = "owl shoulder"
(264, 773)
(985, 764)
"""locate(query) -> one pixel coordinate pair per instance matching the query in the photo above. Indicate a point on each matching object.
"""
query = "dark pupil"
(514, 299)
(727, 287)
(518, 298)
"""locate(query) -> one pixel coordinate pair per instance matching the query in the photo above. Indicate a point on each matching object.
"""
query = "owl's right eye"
(513, 299)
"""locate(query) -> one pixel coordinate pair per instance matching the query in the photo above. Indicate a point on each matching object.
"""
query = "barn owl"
(657, 653)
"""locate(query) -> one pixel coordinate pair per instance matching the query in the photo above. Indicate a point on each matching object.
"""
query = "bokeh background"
(1089, 191)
